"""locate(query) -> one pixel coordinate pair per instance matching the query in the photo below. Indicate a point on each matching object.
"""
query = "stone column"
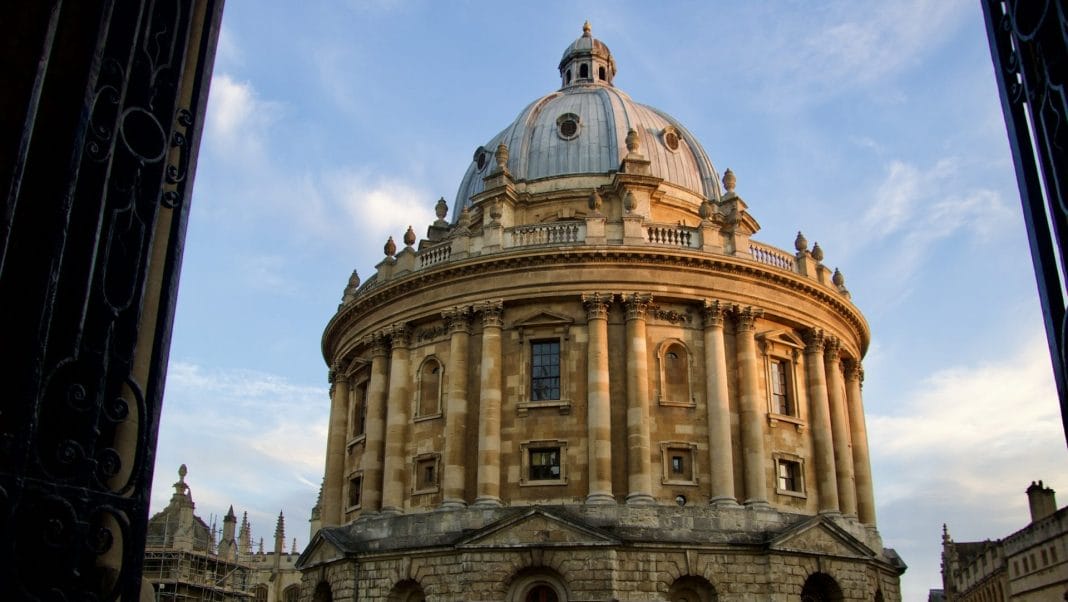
(843, 447)
(458, 320)
(398, 406)
(489, 424)
(717, 402)
(753, 407)
(375, 426)
(639, 465)
(335, 447)
(821, 420)
(854, 376)
(599, 407)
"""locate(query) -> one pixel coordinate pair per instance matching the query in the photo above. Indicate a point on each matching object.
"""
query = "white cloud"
(237, 121)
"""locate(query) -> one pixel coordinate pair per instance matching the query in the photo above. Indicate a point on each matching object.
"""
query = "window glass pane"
(545, 370)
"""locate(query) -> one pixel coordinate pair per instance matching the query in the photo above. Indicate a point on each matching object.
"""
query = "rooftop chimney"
(1042, 501)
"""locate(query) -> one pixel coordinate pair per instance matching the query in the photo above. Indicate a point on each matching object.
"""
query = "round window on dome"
(671, 139)
(567, 126)
(481, 158)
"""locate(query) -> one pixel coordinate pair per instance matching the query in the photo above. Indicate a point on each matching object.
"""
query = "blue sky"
(873, 127)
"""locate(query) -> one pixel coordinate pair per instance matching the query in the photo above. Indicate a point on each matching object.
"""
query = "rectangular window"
(780, 388)
(355, 485)
(1053, 554)
(676, 465)
(425, 473)
(789, 476)
(545, 370)
(544, 463)
(1045, 558)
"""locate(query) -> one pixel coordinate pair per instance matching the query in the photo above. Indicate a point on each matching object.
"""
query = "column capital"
(378, 342)
(597, 305)
(854, 370)
(400, 336)
(457, 319)
(814, 340)
(714, 312)
(831, 347)
(636, 304)
(745, 317)
(492, 313)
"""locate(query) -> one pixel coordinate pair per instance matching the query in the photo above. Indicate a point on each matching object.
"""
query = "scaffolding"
(182, 575)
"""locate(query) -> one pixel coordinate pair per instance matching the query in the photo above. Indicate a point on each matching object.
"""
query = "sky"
(873, 127)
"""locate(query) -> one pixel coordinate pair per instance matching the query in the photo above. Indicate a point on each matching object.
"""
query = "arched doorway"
(692, 589)
(539, 585)
(541, 593)
(323, 593)
(821, 587)
(407, 591)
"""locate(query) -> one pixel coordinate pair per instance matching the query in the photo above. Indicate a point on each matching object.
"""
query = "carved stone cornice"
(636, 304)
(596, 305)
(457, 319)
(831, 348)
(745, 318)
(714, 313)
(814, 340)
(400, 336)
(492, 313)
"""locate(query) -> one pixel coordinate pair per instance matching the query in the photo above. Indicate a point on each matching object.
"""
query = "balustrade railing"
(674, 236)
(771, 256)
(435, 255)
(555, 233)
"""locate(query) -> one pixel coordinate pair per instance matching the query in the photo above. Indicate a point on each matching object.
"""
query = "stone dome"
(581, 129)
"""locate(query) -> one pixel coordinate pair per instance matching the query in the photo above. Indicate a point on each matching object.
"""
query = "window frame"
(779, 459)
(417, 415)
(781, 347)
(662, 350)
(430, 459)
(542, 326)
(528, 447)
(672, 448)
(355, 476)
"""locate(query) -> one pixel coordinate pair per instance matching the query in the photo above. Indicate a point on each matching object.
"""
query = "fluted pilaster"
(843, 447)
(489, 424)
(854, 376)
(396, 466)
(720, 459)
(639, 464)
(826, 480)
(599, 412)
(458, 321)
(752, 405)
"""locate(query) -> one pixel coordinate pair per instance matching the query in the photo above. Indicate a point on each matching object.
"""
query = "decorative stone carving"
(817, 252)
(457, 319)
(350, 289)
(629, 202)
(637, 304)
(831, 347)
(670, 315)
(814, 340)
(390, 249)
(745, 318)
(432, 332)
(597, 305)
(502, 158)
(379, 344)
(713, 312)
(400, 335)
(632, 140)
(705, 210)
(800, 243)
(441, 209)
(854, 370)
(595, 202)
(492, 313)
(838, 279)
(729, 180)
(495, 212)
(409, 237)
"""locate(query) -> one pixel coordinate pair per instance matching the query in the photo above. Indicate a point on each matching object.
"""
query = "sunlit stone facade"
(591, 383)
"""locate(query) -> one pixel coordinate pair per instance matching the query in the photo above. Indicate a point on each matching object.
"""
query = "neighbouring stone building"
(185, 560)
(1029, 565)
(591, 383)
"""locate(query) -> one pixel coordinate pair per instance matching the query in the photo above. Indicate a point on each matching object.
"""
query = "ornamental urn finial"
(632, 140)
(391, 248)
(838, 279)
(800, 243)
(586, 29)
(502, 157)
(441, 209)
(409, 237)
(705, 211)
(729, 180)
(817, 252)
(629, 202)
(595, 201)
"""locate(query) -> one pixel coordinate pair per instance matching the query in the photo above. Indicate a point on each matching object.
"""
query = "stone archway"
(408, 590)
(323, 593)
(821, 587)
(692, 589)
(539, 585)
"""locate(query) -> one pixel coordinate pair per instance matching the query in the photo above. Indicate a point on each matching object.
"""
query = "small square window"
(426, 473)
(789, 475)
(678, 463)
(543, 463)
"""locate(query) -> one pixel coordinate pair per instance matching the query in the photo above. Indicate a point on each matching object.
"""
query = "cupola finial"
(586, 29)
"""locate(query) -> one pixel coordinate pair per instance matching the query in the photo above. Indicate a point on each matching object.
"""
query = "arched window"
(584, 71)
(259, 593)
(291, 594)
(674, 373)
(323, 593)
(407, 591)
(600, 73)
(542, 593)
(537, 585)
(429, 388)
(692, 589)
(567, 76)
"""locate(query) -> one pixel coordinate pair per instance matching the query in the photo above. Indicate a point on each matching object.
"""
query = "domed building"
(591, 383)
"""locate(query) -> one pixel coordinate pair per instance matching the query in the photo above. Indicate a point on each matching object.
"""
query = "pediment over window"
(782, 337)
(543, 321)
(821, 536)
(537, 528)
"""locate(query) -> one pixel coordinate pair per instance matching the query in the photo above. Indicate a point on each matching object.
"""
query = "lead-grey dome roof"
(540, 145)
